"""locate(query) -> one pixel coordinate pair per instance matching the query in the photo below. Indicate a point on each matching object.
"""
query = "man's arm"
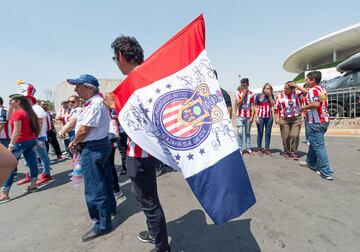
(299, 87)
(252, 112)
(79, 137)
(311, 105)
(40, 120)
(70, 125)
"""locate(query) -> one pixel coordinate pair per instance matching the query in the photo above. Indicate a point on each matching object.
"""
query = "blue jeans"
(26, 148)
(5, 142)
(267, 123)
(306, 130)
(243, 123)
(317, 156)
(68, 140)
(40, 149)
(99, 196)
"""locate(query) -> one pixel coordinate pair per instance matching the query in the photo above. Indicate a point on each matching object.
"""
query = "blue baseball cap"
(85, 78)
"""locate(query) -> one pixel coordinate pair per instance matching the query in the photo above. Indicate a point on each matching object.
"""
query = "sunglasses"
(71, 101)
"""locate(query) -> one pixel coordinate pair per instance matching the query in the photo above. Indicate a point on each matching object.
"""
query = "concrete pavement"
(296, 210)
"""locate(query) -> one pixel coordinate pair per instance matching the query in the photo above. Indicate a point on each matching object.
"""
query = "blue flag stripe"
(224, 189)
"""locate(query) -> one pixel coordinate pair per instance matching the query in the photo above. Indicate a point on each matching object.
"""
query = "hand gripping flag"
(173, 108)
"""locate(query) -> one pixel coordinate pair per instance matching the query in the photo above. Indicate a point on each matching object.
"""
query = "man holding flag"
(141, 165)
(172, 107)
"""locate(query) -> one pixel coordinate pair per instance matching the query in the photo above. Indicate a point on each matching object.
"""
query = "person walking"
(91, 141)
(317, 119)
(264, 117)
(25, 129)
(141, 166)
(51, 132)
(245, 100)
(288, 116)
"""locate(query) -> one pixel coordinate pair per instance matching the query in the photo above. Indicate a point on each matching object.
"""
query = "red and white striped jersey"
(263, 104)
(288, 105)
(134, 150)
(63, 115)
(6, 132)
(321, 114)
(245, 109)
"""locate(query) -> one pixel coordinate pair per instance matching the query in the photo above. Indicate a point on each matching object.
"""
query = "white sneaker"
(304, 163)
(324, 176)
(118, 195)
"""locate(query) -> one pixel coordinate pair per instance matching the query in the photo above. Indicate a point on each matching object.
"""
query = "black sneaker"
(160, 171)
(145, 236)
(154, 250)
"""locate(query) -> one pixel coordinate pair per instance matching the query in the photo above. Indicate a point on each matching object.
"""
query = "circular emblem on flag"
(182, 118)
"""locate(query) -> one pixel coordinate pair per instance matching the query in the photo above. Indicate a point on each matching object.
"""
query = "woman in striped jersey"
(264, 117)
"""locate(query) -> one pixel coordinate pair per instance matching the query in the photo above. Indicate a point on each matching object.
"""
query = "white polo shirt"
(41, 114)
(95, 115)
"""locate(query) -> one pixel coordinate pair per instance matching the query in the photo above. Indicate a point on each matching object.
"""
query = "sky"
(47, 42)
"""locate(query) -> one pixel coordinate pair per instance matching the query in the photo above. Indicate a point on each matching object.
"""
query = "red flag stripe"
(164, 62)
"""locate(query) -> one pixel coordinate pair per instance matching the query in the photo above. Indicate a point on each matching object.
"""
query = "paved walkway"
(296, 210)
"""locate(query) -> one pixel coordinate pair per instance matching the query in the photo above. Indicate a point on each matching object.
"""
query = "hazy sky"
(46, 42)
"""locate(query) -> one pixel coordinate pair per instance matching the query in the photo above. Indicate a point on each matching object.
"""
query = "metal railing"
(344, 102)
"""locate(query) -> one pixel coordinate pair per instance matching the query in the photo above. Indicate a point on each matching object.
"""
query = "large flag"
(172, 107)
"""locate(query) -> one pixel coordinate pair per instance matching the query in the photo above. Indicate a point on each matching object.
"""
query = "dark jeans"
(142, 172)
(5, 142)
(67, 141)
(317, 156)
(51, 135)
(95, 167)
(26, 148)
(115, 179)
(267, 124)
(122, 145)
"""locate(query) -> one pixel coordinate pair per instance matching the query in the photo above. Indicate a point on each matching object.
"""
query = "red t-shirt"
(26, 132)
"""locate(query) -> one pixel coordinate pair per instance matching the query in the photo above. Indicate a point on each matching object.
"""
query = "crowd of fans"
(91, 133)
(288, 109)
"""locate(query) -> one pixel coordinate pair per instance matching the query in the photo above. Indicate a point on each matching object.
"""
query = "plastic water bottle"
(77, 177)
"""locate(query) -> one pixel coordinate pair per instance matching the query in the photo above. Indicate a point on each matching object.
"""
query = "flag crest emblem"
(186, 122)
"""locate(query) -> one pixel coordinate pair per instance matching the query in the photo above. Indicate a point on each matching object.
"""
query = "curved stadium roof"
(345, 42)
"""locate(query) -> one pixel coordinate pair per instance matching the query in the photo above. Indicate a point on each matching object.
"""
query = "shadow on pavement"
(127, 207)
(191, 233)
(59, 179)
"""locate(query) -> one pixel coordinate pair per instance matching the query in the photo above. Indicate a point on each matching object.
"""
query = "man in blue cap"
(91, 141)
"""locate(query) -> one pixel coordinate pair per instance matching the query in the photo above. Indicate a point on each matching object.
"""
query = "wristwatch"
(11, 145)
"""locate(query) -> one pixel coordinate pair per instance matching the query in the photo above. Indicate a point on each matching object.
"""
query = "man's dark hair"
(129, 48)
(245, 80)
(1, 101)
(215, 73)
(314, 75)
